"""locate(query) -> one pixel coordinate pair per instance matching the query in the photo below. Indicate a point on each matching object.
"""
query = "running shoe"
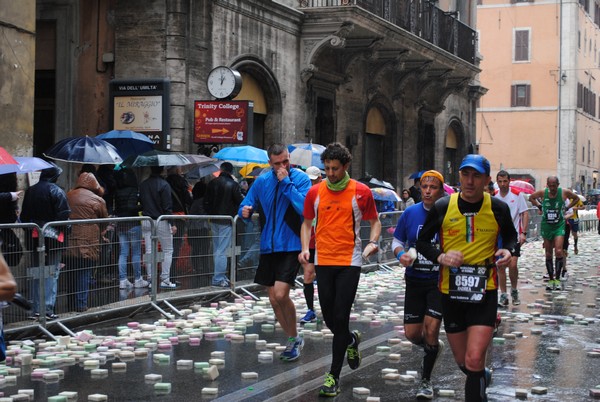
(331, 386)
(352, 352)
(550, 285)
(503, 302)
(425, 390)
(498, 322)
(557, 284)
(125, 284)
(488, 376)
(292, 349)
(514, 294)
(309, 317)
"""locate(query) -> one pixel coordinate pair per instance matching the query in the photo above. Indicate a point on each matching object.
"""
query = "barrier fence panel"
(20, 263)
(247, 251)
(86, 260)
(199, 258)
(389, 220)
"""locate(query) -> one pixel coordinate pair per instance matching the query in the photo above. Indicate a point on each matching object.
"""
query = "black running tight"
(337, 289)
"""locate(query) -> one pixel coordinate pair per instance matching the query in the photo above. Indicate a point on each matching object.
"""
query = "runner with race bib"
(468, 225)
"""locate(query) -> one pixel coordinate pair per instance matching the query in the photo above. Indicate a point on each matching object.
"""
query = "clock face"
(223, 82)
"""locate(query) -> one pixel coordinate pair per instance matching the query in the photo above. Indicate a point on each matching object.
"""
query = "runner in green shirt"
(553, 225)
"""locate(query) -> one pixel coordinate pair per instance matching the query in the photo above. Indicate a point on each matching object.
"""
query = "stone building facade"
(396, 81)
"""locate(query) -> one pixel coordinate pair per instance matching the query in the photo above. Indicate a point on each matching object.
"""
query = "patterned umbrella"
(306, 154)
(385, 194)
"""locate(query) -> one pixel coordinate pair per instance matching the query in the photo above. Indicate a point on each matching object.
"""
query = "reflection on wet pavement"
(552, 340)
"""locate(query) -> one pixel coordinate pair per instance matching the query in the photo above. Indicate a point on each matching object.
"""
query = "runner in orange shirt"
(340, 203)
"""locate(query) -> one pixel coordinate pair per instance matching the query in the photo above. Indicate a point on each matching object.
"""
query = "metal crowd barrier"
(85, 284)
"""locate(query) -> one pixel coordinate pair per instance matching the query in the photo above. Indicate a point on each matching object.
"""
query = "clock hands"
(222, 77)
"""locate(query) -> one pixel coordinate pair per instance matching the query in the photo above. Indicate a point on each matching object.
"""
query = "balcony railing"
(419, 17)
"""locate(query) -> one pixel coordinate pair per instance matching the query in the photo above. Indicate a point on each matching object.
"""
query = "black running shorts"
(277, 267)
(422, 297)
(458, 316)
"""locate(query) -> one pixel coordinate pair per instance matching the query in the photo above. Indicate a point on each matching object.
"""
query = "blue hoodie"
(281, 205)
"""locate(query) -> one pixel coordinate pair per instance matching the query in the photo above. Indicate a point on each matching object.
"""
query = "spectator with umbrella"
(127, 203)
(198, 232)
(46, 202)
(83, 254)
(181, 199)
(223, 197)
(9, 211)
(156, 198)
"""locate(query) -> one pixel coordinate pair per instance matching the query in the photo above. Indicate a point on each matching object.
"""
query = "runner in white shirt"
(520, 217)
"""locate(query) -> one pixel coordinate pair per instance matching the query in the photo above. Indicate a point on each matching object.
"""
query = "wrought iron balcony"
(419, 17)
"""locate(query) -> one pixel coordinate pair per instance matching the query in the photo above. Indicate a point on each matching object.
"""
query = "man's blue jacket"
(280, 205)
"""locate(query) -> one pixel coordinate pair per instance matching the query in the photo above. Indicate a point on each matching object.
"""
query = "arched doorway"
(252, 91)
(451, 153)
(374, 150)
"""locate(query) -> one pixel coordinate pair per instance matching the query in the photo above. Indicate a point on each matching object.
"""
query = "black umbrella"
(84, 150)
(156, 158)
(372, 182)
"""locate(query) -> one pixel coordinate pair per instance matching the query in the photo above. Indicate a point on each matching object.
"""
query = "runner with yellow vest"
(469, 224)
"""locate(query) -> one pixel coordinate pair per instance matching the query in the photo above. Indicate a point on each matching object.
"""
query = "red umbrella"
(6, 158)
(520, 186)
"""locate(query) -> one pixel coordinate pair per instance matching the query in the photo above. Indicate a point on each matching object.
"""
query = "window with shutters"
(520, 95)
(521, 45)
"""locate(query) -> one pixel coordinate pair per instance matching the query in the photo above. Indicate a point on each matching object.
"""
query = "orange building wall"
(518, 139)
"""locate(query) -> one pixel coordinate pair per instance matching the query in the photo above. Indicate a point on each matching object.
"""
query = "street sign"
(225, 122)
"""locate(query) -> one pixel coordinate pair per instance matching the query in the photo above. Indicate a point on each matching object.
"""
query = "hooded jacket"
(127, 194)
(86, 203)
(282, 204)
(45, 201)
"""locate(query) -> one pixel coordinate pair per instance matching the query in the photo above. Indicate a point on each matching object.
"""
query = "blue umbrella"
(417, 175)
(84, 150)
(26, 164)
(128, 142)
(306, 154)
(245, 153)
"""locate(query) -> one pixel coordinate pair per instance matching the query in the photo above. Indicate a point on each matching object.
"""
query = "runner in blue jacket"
(279, 196)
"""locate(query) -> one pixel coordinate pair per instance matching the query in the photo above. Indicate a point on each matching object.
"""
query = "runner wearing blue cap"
(468, 225)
